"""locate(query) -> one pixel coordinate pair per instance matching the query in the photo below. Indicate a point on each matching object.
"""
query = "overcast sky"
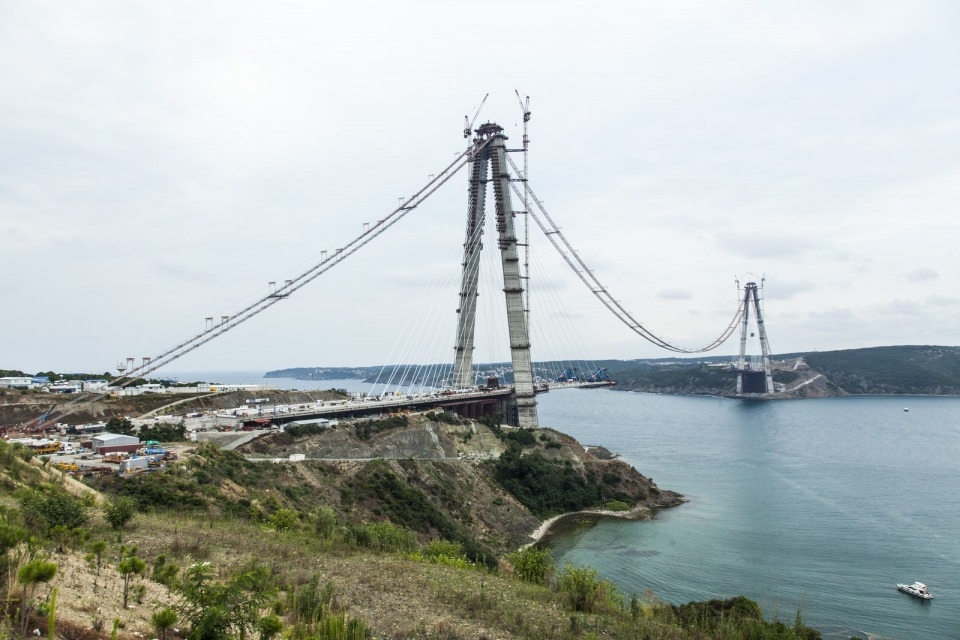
(160, 162)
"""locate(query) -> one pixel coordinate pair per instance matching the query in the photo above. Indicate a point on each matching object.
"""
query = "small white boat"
(917, 590)
(906, 408)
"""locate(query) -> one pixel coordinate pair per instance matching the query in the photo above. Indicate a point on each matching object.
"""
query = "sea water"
(820, 506)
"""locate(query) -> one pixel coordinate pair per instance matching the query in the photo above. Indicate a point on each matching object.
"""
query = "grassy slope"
(396, 594)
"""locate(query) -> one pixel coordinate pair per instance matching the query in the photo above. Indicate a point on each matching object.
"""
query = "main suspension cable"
(566, 251)
(328, 262)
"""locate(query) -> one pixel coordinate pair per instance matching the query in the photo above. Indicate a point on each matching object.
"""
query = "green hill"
(927, 370)
(899, 370)
(219, 547)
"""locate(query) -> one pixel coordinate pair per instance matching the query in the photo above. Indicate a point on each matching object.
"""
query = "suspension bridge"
(490, 167)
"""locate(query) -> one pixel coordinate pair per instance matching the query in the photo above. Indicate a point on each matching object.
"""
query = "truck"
(53, 446)
(133, 465)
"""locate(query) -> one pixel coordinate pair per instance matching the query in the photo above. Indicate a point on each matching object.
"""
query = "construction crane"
(41, 421)
(468, 122)
(600, 375)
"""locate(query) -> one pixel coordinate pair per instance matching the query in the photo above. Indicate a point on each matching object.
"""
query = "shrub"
(445, 417)
(300, 430)
(284, 519)
(584, 590)
(446, 553)
(531, 564)
(44, 510)
(385, 537)
(616, 505)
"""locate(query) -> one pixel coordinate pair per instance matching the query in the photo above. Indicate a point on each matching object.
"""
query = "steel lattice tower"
(492, 157)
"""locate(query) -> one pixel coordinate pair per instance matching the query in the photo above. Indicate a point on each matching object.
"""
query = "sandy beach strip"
(637, 513)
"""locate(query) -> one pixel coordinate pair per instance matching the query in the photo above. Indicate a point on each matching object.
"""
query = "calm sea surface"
(822, 505)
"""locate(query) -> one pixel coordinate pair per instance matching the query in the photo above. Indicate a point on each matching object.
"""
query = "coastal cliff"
(485, 485)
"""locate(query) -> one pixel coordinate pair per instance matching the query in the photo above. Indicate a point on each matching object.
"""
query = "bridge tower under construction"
(753, 378)
(491, 161)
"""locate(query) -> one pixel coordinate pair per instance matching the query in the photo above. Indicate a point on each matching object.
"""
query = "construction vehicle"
(45, 448)
(569, 375)
(599, 376)
(67, 466)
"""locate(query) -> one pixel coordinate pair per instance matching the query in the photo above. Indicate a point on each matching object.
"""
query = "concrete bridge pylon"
(753, 379)
(489, 164)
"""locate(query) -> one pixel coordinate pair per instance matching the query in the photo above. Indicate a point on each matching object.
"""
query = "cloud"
(758, 245)
(784, 290)
(940, 301)
(918, 275)
(207, 149)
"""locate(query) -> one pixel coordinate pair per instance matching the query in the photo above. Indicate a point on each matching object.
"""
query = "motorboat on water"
(917, 590)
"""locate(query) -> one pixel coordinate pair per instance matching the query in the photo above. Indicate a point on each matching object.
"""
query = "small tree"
(119, 512)
(10, 537)
(221, 610)
(163, 619)
(96, 553)
(164, 572)
(119, 425)
(52, 616)
(130, 565)
(30, 575)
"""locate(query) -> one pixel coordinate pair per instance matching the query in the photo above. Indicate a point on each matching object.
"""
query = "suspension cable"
(560, 243)
(309, 275)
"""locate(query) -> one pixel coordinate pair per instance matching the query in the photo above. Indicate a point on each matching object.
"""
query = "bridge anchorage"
(490, 159)
(755, 377)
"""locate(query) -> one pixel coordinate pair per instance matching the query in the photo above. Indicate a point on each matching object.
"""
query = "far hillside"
(899, 370)
(929, 370)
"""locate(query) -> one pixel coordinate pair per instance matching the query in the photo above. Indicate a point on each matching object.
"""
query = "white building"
(16, 382)
(95, 385)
